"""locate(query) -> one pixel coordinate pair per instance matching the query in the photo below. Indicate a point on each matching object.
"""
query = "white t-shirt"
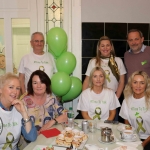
(111, 80)
(11, 130)
(98, 105)
(134, 110)
(32, 62)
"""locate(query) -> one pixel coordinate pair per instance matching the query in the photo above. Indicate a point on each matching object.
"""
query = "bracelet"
(55, 120)
(24, 121)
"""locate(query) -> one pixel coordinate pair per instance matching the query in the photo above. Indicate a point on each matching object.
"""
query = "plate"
(80, 147)
(122, 127)
(102, 125)
(127, 148)
(99, 139)
(40, 147)
(129, 140)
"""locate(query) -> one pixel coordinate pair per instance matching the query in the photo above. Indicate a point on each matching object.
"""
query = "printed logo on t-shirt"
(140, 109)
(98, 101)
(41, 68)
(1, 126)
(10, 124)
(42, 62)
(97, 113)
(9, 141)
(144, 62)
(139, 121)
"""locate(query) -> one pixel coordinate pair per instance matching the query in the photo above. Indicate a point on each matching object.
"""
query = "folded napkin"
(50, 132)
(127, 148)
(132, 144)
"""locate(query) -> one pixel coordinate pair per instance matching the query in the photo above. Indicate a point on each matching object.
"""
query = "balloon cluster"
(62, 84)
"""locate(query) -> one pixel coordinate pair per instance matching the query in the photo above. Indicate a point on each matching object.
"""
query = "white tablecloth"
(92, 138)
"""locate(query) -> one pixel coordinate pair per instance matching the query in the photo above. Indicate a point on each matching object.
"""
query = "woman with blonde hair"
(98, 102)
(136, 106)
(14, 119)
(113, 66)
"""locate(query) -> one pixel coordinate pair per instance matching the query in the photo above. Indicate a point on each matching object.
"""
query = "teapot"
(106, 135)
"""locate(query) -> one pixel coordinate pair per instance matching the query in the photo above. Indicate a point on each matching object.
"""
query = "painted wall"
(115, 11)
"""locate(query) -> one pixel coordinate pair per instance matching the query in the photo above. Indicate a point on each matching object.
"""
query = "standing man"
(36, 60)
(138, 56)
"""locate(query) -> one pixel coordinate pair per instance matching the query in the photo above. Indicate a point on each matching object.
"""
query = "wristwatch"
(55, 121)
(24, 121)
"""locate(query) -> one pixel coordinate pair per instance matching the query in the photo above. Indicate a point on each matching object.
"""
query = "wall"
(115, 11)
(79, 12)
(113, 19)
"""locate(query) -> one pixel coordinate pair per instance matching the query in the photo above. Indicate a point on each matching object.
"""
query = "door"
(21, 19)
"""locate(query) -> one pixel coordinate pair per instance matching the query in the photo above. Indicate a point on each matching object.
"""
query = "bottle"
(70, 115)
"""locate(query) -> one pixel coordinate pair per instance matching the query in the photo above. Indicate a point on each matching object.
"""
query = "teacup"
(128, 135)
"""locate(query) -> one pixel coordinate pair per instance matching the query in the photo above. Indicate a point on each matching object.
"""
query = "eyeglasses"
(37, 41)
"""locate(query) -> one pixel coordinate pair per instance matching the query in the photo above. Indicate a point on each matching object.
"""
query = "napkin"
(50, 132)
(132, 144)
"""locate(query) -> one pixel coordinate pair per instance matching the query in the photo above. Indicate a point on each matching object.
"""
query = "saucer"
(122, 127)
(134, 138)
(113, 141)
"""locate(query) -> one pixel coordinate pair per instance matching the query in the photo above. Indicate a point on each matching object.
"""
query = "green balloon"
(66, 62)
(60, 83)
(56, 39)
(50, 51)
(75, 90)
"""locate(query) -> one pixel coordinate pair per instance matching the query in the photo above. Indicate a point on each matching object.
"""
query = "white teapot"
(92, 147)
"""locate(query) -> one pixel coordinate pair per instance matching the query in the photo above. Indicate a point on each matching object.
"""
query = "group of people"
(38, 109)
(22, 118)
(107, 77)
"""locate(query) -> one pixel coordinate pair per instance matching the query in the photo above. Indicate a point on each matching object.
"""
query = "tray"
(80, 147)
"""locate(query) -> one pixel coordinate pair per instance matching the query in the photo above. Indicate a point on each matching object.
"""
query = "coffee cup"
(128, 135)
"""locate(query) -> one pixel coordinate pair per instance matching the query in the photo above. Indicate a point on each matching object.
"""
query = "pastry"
(59, 142)
(78, 138)
(63, 132)
(81, 133)
(67, 144)
(68, 129)
(128, 127)
(69, 136)
(84, 137)
(76, 132)
(76, 143)
(68, 139)
(61, 137)
(48, 148)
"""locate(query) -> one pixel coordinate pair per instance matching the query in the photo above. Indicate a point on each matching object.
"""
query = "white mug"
(128, 135)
